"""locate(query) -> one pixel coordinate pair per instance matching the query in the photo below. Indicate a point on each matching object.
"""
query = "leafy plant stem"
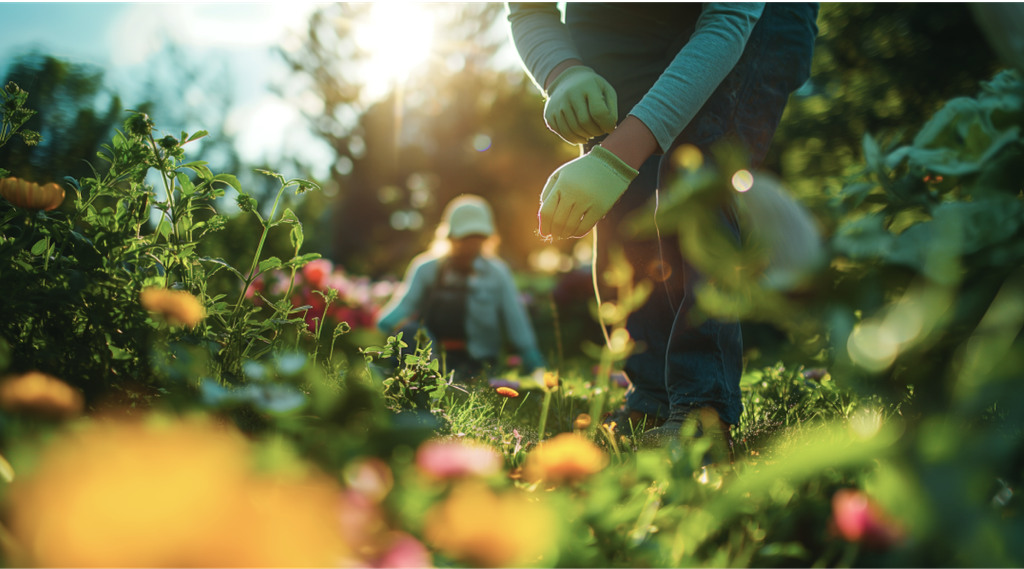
(251, 275)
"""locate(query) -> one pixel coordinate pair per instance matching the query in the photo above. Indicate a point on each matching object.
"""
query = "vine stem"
(251, 276)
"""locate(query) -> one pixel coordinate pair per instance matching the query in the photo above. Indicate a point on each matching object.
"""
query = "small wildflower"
(551, 379)
(507, 392)
(40, 394)
(565, 457)
(177, 306)
(581, 422)
(456, 459)
(857, 518)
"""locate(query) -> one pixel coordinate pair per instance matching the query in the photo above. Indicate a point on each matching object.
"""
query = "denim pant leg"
(680, 362)
(703, 357)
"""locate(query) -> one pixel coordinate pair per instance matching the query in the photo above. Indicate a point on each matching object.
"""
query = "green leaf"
(271, 263)
(187, 189)
(198, 134)
(872, 154)
(288, 216)
(199, 168)
(302, 261)
(228, 179)
(297, 237)
(40, 247)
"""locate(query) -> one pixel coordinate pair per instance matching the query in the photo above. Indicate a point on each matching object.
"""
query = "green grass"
(779, 405)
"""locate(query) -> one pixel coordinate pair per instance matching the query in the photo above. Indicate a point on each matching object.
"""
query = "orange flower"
(31, 195)
(40, 394)
(507, 392)
(177, 306)
(581, 422)
(475, 526)
(170, 493)
(563, 458)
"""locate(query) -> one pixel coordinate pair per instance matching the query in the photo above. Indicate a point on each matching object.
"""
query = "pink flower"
(404, 551)
(513, 361)
(455, 459)
(317, 271)
(860, 519)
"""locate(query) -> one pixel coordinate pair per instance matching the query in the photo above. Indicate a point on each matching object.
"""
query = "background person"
(463, 297)
(674, 73)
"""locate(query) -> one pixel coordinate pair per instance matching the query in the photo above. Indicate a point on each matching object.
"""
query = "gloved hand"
(580, 105)
(581, 192)
(533, 360)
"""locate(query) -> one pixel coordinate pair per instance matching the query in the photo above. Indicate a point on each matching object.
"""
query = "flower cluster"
(359, 298)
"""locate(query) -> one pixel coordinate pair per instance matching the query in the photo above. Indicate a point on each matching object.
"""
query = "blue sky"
(123, 39)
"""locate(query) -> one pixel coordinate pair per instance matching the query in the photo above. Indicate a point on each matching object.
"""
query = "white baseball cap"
(468, 215)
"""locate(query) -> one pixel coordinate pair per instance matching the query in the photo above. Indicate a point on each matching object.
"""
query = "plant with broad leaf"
(417, 381)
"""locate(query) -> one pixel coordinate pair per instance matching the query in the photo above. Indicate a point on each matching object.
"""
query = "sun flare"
(398, 37)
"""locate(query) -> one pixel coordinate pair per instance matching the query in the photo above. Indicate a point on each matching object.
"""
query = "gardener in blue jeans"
(674, 74)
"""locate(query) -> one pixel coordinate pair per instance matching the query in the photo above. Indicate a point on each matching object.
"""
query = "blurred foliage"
(878, 68)
(75, 113)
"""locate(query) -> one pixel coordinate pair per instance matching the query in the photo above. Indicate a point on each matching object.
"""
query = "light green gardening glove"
(581, 192)
(580, 105)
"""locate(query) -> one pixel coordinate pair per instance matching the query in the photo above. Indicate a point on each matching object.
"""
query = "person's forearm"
(697, 70)
(632, 142)
(540, 38)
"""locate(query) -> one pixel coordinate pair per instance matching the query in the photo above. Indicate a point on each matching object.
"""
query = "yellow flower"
(177, 306)
(551, 379)
(483, 529)
(563, 458)
(170, 494)
(507, 392)
(581, 422)
(30, 195)
(40, 394)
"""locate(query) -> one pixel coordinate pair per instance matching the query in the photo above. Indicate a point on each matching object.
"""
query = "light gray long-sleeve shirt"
(718, 40)
(493, 301)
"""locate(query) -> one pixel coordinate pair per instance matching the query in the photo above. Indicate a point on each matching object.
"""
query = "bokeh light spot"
(688, 157)
(742, 180)
(872, 346)
(481, 142)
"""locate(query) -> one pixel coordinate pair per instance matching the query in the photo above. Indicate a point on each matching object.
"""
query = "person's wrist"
(632, 142)
(558, 69)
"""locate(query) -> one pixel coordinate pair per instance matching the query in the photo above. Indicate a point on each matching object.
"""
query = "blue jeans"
(683, 363)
